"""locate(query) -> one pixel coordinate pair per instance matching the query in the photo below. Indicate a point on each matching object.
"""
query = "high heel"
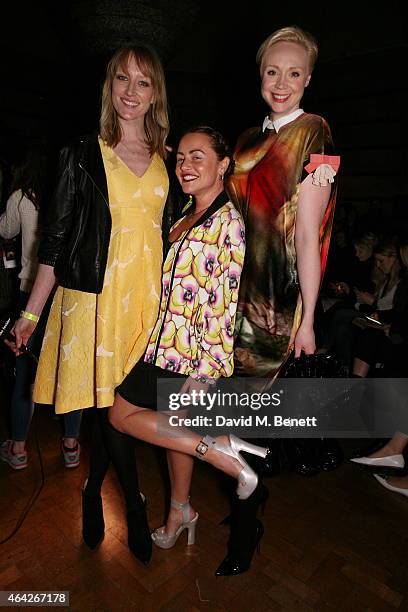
(139, 540)
(165, 540)
(93, 525)
(246, 532)
(263, 498)
(238, 559)
(247, 478)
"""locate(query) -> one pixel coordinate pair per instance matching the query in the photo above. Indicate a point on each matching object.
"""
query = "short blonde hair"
(290, 34)
(156, 121)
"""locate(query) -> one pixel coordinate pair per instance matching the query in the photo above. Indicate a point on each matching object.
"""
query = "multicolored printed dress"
(269, 169)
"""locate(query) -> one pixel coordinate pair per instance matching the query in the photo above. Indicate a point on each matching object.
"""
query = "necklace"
(192, 214)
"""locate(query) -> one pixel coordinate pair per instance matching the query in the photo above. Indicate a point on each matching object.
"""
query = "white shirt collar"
(278, 123)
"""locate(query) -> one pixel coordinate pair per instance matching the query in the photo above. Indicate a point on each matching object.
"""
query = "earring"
(221, 176)
(188, 205)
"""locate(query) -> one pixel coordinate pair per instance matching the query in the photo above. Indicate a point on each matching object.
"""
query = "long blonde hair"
(156, 121)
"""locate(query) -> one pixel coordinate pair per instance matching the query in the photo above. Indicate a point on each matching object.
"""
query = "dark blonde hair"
(156, 121)
(290, 34)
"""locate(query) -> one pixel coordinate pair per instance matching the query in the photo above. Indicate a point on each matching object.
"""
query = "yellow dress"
(93, 341)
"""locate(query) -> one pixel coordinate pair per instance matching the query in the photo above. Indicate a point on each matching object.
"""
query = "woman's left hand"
(305, 340)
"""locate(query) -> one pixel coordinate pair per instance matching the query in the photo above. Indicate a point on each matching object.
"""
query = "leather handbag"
(318, 365)
(308, 456)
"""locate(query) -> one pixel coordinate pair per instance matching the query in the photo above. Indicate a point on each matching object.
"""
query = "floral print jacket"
(194, 331)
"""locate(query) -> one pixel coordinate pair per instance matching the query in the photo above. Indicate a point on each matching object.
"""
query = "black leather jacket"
(78, 222)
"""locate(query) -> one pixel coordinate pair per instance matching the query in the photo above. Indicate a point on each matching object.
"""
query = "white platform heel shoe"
(247, 478)
(164, 540)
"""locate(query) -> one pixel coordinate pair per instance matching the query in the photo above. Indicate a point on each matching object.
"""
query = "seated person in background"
(395, 334)
(361, 275)
(387, 343)
(356, 292)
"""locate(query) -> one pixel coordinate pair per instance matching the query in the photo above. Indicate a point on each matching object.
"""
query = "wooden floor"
(333, 542)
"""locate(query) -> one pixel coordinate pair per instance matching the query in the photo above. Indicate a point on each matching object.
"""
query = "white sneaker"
(71, 455)
(17, 461)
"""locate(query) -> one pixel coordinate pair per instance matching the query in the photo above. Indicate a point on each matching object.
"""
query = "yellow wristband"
(30, 316)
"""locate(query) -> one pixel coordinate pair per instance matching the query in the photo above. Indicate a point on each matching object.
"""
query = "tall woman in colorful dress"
(281, 183)
(282, 186)
(103, 246)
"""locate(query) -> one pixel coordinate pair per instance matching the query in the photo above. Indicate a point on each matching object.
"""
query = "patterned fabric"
(265, 186)
(201, 274)
(93, 341)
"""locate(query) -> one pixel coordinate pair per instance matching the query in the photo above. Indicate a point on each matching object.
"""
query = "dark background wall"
(52, 59)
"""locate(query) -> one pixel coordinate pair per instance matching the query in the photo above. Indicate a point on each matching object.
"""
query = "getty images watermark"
(261, 408)
(210, 400)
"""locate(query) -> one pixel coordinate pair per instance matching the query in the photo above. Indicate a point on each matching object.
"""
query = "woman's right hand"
(22, 330)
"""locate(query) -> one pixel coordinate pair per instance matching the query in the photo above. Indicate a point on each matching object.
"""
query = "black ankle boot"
(262, 498)
(241, 548)
(139, 535)
(246, 532)
(93, 525)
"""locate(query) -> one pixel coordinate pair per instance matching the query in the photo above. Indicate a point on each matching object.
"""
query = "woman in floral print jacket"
(193, 336)
(194, 332)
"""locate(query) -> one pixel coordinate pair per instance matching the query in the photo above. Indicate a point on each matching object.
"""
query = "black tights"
(109, 444)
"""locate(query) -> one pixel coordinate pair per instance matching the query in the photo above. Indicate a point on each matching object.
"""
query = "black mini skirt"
(140, 385)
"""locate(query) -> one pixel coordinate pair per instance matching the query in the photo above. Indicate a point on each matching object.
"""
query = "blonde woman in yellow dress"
(103, 247)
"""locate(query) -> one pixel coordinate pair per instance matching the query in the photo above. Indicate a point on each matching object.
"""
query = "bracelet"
(30, 316)
(205, 380)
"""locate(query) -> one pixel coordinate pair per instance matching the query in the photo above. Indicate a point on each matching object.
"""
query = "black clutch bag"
(313, 366)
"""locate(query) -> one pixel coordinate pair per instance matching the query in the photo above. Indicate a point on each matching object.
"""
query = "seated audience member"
(390, 458)
(361, 282)
(386, 343)
(387, 462)
(362, 273)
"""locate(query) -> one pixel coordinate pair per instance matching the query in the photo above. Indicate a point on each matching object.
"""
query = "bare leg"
(394, 447)
(180, 470)
(154, 427)
(360, 368)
